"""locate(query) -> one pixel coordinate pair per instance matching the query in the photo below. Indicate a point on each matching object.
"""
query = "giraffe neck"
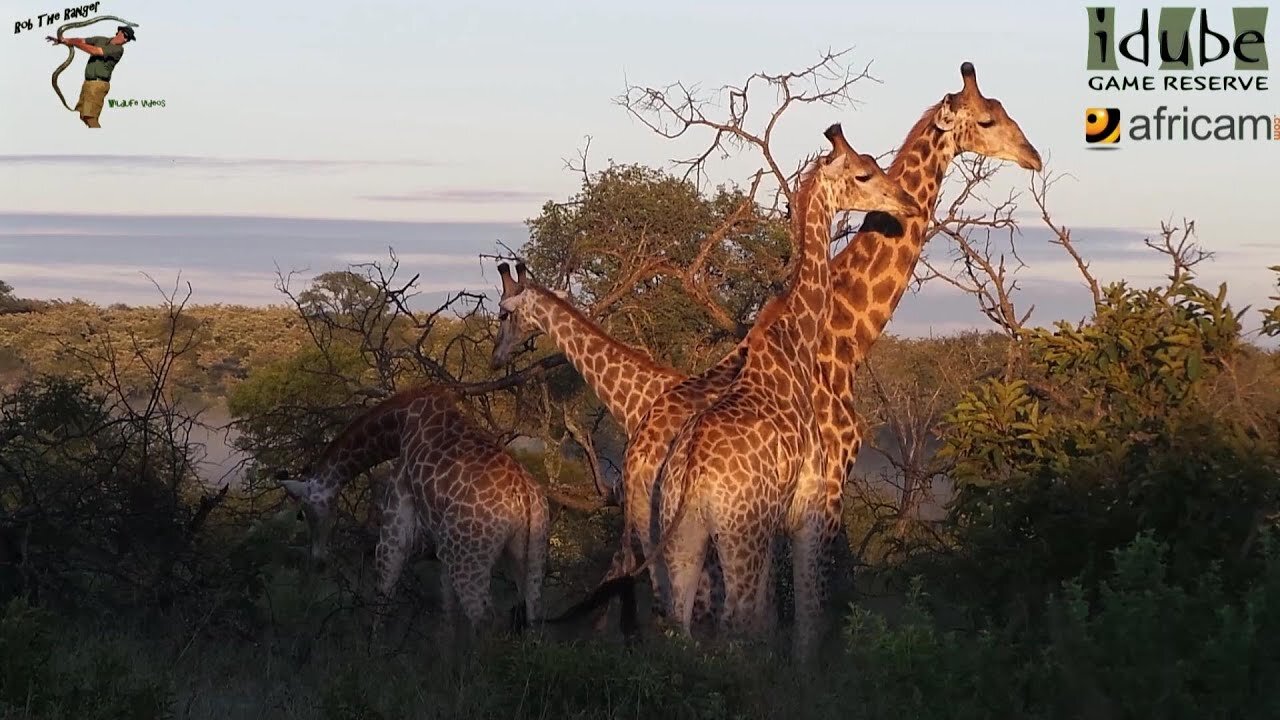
(625, 380)
(869, 277)
(800, 311)
(871, 274)
(370, 439)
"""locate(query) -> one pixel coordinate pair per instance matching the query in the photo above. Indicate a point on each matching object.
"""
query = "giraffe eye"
(502, 315)
(986, 123)
(865, 177)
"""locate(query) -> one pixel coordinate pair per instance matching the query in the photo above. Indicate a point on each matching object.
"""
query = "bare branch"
(676, 109)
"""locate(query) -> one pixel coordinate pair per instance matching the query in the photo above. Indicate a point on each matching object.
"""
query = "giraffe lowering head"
(980, 124)
(372, 437)
(316, 504)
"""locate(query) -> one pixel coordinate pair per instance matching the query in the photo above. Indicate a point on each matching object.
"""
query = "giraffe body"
(737, 470)
(453, 485)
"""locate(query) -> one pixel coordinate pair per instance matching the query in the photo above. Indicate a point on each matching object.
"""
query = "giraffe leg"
(710, 599)
(472, 582)
(397, 535)
(806, 551)
(764, 620)
(447, 629)
(744, 550)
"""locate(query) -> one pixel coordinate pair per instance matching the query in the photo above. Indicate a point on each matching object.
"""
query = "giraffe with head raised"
(452, 481)
(869, 277)
(871, 274)
(734, 468)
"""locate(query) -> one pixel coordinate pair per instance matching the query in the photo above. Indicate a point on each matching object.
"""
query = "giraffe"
(733, 468)
(871, 274)
(869, 277)
(453, 482)
(624, 378)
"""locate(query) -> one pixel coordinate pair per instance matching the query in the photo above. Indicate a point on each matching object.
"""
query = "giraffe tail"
(535, 561)
(675, 467)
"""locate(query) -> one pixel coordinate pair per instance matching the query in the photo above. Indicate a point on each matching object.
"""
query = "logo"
(1228, 48)
(1179, 40)
(1102, 126)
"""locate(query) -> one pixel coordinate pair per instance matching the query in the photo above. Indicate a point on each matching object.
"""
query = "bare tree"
(675, 110)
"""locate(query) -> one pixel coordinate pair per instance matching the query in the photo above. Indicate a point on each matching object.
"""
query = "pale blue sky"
(433, 111)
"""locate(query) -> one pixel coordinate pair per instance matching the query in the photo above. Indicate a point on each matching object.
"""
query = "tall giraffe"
(871, 274)
(454, 482)
(733, 469)
(869, 277)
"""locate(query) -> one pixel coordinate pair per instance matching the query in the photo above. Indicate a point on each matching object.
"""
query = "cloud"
(436, 259)
(460, 195)
(204, 162)
(73, 232)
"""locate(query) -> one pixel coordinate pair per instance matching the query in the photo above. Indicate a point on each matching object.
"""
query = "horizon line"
(250, 216)
(257, 216)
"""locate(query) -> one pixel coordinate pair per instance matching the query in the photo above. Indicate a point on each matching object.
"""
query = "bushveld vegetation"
(1106, 547)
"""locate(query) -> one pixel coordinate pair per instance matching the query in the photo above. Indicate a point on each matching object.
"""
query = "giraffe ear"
(944, 118)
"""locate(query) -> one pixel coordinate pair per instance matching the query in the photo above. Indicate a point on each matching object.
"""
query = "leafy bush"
(40, 679)
(101, 497)
(1115, 428)
(1147, 647)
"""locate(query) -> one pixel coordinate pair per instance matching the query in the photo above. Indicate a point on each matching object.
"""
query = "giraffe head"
(855, 182)
(317, 506)
(979, 124)
(513, 325)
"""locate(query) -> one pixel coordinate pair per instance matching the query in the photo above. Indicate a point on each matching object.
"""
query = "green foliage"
(1110, 431)
(1146, 647)
(39, 680)
(72, 339)
(96, 493)
(627, 218)
(10, 303)
(295, 403)
(1271, 315)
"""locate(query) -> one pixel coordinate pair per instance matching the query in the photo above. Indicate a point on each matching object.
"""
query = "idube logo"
(1232, 46)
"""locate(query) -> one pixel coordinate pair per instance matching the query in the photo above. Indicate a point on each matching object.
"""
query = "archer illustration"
(104, 54)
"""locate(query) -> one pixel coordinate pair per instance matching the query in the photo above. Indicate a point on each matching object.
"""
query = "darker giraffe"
(453, 482)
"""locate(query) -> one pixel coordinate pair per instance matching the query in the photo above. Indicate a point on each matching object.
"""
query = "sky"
(432, 112)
